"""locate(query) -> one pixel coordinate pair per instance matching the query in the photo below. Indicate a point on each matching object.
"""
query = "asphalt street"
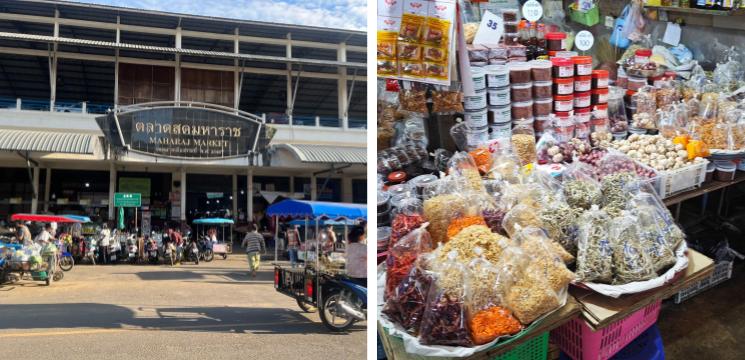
(207, 311)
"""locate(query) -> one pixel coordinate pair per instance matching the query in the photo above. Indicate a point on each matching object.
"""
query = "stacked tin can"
(475, 116)
(600, 93)
(542, 94)
(499, 113)
(564, 97)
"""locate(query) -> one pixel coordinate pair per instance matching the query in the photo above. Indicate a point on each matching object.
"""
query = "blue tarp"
(312, 222)
(81, 218)
(213, 221)
(317, 209)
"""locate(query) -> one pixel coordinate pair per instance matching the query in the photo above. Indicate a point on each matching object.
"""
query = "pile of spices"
(460, 223)
(491, 323)
(444, 322)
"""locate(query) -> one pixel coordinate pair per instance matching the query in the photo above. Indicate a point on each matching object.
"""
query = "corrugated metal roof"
(172, 50)
(46, 141)
(327, 153)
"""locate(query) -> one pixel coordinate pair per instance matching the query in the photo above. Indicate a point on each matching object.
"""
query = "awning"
(46, 141)
(317, 210)
(327, 153)
(271, 196)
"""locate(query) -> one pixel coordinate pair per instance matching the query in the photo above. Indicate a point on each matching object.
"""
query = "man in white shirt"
(44, 236)
(356, 256)
(103, 245)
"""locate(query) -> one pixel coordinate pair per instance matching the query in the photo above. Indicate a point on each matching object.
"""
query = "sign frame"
(127, 200)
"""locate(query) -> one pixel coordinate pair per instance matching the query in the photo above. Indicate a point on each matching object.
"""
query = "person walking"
(293, 244)
(104, 244)
(178, 241)
(254, 243)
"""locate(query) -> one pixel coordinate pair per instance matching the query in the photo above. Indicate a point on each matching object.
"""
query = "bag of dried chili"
(406, 305)
(402, 256)
(444, 321)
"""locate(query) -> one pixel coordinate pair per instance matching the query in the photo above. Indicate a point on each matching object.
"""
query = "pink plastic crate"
(577, 339)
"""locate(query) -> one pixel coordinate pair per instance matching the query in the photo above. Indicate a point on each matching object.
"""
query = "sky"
(343, 14)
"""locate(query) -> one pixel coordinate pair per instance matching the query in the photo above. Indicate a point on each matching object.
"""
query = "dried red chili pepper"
(402, 225)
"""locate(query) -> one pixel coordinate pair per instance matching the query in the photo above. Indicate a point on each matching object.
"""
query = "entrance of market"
(208, 195)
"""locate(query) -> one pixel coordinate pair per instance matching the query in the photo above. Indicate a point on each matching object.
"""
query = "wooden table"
(600, 311)
(705, 189)
(394, 347)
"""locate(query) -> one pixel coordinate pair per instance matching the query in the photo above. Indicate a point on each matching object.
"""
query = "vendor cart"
(341, 301)
(222, 247)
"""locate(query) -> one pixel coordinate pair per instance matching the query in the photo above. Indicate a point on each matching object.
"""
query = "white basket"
(671, 182)
(722, 272)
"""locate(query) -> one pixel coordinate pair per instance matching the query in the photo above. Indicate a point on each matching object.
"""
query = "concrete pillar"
(347, 192)
(235, 196)
(183, 194)
(341, 55)
(250, 195)
(292, 185)
(313, 188)
(47, 189)
(35, 196)
(112, 190)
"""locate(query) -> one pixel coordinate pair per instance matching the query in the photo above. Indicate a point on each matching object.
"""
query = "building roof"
(308, 153)
(46, 141)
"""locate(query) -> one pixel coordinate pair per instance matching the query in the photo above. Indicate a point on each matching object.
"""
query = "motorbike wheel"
(48, 281)
(58, 276)
(209, 255)
(224, 256)
(66, 263)
(330, 314)
(306, 307)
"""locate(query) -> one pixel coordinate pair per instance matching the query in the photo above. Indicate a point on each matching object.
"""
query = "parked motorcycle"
(169, 253)
(205, 250)
(191, 252)
(344, 303)
(66, 262)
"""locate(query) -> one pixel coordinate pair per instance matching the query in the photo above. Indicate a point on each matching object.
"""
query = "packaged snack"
(436, 70)
(411, 69)
(387, 67)
(412, 27)
(630, 260)
(581, 190)
(594, 250)
(434, 53)
(444, 101)
(436, 31)
(402, 256)
(406, 305)
(409, 51)
(386, 45)
(414, 100)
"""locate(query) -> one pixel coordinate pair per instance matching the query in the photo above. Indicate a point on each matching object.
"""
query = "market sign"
(127, 200)
(200, 131)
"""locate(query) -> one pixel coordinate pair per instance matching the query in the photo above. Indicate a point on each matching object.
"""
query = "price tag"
(490, 30)
(584, 40)
(532, 10)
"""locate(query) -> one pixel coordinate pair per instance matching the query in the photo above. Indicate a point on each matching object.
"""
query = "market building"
(198, 114)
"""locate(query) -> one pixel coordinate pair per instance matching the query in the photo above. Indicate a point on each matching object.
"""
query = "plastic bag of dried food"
(630, 260)
(548, 150)
(402, 256)
(580, 188)
(470, 216)
(444, 321)
(482, 158)
(492, 212)
(406, 305)
(560, 222)
(414, 100)
(506, 167)
(642, 194)
(520, 216)
(531, 296)
(446, 101)
(653, 239)
(594, 253)
(408, 218)
(471, 237)
(439, 211)
(486, 288)
(463, 165)
(536, 245)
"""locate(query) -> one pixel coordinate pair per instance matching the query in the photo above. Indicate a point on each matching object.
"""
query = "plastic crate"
(648, 346)
(533, 349)
(588, 18)
(722, 272)
(671, 182)
(580, 342)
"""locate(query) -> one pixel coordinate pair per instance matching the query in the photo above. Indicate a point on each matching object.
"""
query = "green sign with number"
(127, 200)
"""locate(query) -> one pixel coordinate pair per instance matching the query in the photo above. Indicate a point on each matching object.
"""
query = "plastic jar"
(642, 56)
(475, 137)
(543, 123)
(541, 70)
(499, 114)
(636, 83)
(563, 103)
(582, 99)
(582, 83)
(500, 130)
(522, 110)
(564, 128)
(497, 76)
(499, 96)
(479, 78)
(600, 96)
(543, 89)
(582, 122)
(520, 73)
(562, 67)
(476, 102)
(566, 54)
(622, 80)
(599, 118)
(725, 170)
(511, 39)
(475, 118)
(582, 65)
(555, 41)
(600, 79)
(522, 92)
(710, 168)
(421, 182)
(510, 26)
(510, 14)
(564, 86)
(542, 107)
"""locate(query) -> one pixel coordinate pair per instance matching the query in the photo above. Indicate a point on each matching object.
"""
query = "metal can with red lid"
(582, 65)
(564, 103)
(600, 96)
(600, 79)
(582, 83)
(564, 86)
(562, 68)
(582, 99)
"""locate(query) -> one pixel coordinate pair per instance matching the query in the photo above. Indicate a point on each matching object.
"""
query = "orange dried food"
(482, 158)
(461, 223)
(491, 323)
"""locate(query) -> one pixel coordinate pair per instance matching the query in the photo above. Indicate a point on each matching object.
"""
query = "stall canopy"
(213, 221)
(301, 222)
(80, 218)
(43, 218)
(317, 210)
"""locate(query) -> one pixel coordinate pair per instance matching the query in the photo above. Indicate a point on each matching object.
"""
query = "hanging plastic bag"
(630, 260)
(402, 256)
(594, 253)
(617, 38)
(486, 287)
(444, 319)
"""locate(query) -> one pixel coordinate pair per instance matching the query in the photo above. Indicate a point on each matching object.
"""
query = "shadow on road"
(198, 319)
(199, 275)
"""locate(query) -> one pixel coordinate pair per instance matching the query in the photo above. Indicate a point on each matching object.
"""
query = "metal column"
(183, 194)
(112, 190)
(250, 195)
(47, 188)
(35, 196)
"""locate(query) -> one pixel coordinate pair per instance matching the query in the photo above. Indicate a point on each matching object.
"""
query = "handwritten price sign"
(532, 10)
(490, 30)
(584, 40)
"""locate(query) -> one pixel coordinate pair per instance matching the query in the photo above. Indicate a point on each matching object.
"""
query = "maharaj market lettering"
(188, 142)
(183, 129)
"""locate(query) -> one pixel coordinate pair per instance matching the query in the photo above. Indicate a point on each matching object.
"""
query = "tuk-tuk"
(222, 247)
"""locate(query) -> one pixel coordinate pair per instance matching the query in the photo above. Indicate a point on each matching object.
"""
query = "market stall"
(524, 164)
